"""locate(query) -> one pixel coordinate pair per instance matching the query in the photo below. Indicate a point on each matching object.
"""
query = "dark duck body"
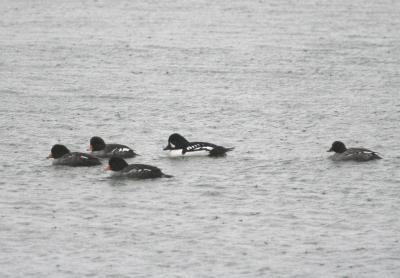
(62, 156)
(179, 146)
(134, 171)
(356, 154)
(100, 149)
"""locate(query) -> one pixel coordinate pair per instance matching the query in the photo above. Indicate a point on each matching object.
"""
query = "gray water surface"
(278, 80)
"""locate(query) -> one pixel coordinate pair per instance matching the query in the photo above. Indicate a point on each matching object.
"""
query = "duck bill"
(330, 150)
(167, 148)
(107, 168)
(49, 156)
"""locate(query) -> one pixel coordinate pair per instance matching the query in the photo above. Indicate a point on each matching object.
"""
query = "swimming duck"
(357, 154)
(100, 149)
(179, 146)
(62, 156)
(136, 171)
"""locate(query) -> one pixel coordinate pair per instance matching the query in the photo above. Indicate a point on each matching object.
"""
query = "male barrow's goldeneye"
(62, 156)
(136, 171)
(179, 146)
(100, 149)
(356, 154)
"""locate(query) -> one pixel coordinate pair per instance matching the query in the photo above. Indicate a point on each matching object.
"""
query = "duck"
(179, 146)
(135, 171)
(62, 156)
(100, 149)
(356, 154)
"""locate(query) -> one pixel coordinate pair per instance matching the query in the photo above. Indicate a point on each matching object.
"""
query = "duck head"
(58, 151)
(337, 147)
(96, 144)
(176, 141)
(116, 164)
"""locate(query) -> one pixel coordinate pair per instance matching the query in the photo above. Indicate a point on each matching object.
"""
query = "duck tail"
(167, 176)
(376, 156)
(220, 151)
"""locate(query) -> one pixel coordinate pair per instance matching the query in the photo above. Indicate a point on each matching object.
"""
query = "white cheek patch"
(172, 145)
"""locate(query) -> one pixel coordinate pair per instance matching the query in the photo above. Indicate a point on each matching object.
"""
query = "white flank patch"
(178, 153)
(120, 150)
(133, 171)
